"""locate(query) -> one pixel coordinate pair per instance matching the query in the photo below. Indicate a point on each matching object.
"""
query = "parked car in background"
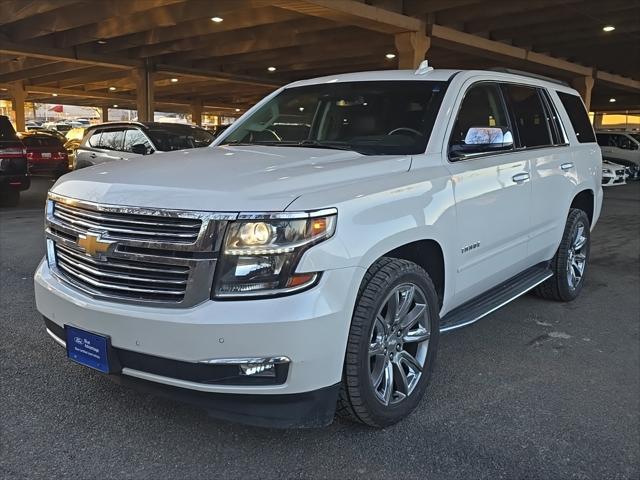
(125, 140)
(273, 277)
(613, 174)
(46, 154)
(14, 173)
(622, 148)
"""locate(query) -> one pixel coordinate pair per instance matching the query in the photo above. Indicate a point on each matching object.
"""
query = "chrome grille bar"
(163, 257)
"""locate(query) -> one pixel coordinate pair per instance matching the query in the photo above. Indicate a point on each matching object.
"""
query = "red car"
(46, 154)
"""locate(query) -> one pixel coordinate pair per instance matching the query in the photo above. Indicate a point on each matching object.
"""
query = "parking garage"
(537, 389)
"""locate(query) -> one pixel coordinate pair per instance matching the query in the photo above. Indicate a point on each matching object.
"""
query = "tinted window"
(373, 118)
(135, 137)
(553, 119)
(578, 117)
(6, 130)
(603, 139)
(35, 141)
(482, 107)
(112, 139)
(529, 116)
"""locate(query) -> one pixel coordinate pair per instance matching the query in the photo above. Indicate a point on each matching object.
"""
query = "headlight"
(606, 170)
(261, 252)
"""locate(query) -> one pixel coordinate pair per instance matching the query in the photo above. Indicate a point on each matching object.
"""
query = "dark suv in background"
(124, 140)
(14, 174)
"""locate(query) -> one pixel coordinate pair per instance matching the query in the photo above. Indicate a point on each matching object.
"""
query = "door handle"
(93, 155)
(520, 177)
(567, 166)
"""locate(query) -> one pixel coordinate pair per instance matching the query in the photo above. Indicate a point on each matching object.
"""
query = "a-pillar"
(584, 85)
(105, 113)
(196, 113)
(412, 48)
(143, 78)
(18, 95)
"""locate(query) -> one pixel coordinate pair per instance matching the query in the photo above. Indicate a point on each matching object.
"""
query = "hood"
(224, 179)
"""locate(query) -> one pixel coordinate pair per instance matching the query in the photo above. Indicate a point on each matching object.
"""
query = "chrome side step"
(490, 301)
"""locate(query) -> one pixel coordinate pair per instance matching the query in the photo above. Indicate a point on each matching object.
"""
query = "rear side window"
(41, 142)
(529, 116)
(133, 137)
(112, 139)
(94, 139)
(603, 139)
(578, 117)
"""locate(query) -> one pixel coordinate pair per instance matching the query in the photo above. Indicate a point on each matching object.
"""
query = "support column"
(105, 114)
(584, 85)
(412, 48)
(196, 113)
(18, 95)
(144, 92)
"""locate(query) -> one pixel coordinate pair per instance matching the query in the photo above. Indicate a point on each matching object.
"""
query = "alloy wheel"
(399, 343)
(577, 257)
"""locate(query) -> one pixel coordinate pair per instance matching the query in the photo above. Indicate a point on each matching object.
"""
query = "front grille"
(130, 226)
(619, 172)
(129, 279)
(150, 256)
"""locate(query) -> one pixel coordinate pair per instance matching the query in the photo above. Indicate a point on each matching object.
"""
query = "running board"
(497, 297)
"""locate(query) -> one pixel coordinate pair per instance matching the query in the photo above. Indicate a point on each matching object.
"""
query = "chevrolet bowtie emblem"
(92, 244)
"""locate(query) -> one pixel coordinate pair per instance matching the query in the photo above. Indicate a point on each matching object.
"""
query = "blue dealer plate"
(87, 348)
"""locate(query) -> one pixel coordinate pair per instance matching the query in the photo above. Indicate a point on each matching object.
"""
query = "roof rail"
(530, 75)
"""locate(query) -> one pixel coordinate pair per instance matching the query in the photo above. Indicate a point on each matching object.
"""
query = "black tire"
(358, 400)
(10, 198)
(559, 287)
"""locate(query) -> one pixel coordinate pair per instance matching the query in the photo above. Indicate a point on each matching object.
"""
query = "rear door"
(134, 136)
(541, 136)
(104, 145)
(492, 191)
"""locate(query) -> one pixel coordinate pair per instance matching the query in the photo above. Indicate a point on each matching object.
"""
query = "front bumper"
(310, 328)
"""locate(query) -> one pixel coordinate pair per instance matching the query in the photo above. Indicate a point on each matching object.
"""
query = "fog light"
(258, 369)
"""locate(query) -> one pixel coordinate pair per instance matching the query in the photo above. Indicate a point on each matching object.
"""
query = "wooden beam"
(64, 92)
(421, 7)
(221, 76)
(412, 48)
(584, 86)
(625, 83)
(65, 55)
(350, 12)
(33, 72)
(16, 10)
(18, 94)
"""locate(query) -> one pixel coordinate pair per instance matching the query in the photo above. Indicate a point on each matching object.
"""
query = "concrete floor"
(536, 390)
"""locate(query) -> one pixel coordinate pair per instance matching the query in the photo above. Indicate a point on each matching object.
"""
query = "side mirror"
(484, 140)
(139, 148)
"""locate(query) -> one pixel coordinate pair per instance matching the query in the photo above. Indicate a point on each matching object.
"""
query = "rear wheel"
(570, 261)
(392, 344)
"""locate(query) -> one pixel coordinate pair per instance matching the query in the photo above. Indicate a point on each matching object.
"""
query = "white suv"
(313, 255)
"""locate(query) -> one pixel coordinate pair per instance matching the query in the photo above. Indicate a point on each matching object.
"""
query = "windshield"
(6, 130)
(373, 118)
(636, 136)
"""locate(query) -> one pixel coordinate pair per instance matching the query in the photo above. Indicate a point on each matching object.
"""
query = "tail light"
(30, 155)
(59, 155)
(13, 152)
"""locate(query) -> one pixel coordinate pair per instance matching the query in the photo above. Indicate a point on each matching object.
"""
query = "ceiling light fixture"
(216, 19)
(390, 56)
(612, 100)
(115, 106)
(608, 28)
(102, 41)
(271, 69)
(54, 94)
(174, 80)
(237, 109)
(112, 89)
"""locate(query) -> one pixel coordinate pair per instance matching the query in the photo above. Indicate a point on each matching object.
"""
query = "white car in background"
(622, 148)
(613, 174)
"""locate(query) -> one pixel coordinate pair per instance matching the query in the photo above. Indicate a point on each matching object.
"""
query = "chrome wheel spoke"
(410, 361)
(420, 334)
(388, 383)
(405, 301)
(579, 243)
(378, 372)
(402, 382)
(413, 316)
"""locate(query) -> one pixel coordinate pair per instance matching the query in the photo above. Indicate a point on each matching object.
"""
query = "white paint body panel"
(383, 202)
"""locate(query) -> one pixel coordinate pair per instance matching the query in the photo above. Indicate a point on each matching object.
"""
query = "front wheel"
(570, 262)
(392, 344)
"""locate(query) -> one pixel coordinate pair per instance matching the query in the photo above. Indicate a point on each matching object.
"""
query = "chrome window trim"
(325, 212)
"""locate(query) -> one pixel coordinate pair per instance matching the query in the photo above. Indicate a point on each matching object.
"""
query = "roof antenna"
(423, 68)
